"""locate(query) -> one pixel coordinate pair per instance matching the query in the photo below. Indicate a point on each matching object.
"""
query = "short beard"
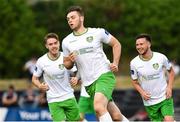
(145, 51)
(78, 26)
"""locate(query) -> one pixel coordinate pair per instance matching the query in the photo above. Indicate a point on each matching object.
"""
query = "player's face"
(142, 46)
(74, 20)
(53, 46)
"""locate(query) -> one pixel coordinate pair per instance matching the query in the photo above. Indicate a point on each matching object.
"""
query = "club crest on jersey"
(61, 66)
(89, 39)
(156, 66)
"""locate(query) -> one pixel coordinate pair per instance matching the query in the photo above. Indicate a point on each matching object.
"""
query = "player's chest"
(84, 43)
(149, 68)
(54, 68)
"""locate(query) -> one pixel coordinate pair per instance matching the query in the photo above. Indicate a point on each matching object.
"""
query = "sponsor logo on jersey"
(156, 66)
(89, 39)
(85, 50)
(150, 77)
(75, 52)
(61, 66)
(72, 41)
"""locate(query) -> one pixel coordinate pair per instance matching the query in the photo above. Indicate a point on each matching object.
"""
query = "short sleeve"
(166, 63)
(65, 49)
(38, 69)
(133, 72)
(105, 36)
(74, 69)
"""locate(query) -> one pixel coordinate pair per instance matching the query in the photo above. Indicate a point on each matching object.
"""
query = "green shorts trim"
(104, 84)
(158, 111)
(64, 110)
(86, 105)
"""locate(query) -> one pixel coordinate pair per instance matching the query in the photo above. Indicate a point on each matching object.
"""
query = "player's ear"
(82, 18)
(149, 44)
(46, 46)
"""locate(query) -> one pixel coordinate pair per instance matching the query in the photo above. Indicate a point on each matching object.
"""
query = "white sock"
(84, 120)
(124, 119)
(105, 118)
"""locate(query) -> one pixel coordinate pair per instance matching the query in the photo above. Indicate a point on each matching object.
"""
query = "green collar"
(145, 59)
(79, 34)
(53, 59)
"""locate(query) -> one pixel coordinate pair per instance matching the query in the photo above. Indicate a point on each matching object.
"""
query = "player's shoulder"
(158, 55)
(95, 29)
(42, 58)
(61, 53)
(67, 38)
(135, 60)
(99, 31)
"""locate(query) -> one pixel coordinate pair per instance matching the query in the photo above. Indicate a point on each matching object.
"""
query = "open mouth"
(54, 50)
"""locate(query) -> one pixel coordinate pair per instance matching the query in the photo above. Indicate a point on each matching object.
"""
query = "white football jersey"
(91, 60)
(83, 92)
(56, 76)
(151, 76)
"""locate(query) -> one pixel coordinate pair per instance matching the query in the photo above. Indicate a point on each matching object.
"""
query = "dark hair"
(75, 8)
(51, 35)
(144, 35)
(11, 87)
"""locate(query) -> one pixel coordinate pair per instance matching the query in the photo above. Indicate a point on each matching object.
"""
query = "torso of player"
(149, 70)
(151, 76)
(54, 70)
(83, 92)
(57, 78)
(91, 60)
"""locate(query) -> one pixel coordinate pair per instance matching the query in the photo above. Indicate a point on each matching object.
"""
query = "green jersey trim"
(144, 59)
(59, 54)
(79, 34)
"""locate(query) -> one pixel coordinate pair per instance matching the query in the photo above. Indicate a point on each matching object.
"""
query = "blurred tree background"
(25, 22)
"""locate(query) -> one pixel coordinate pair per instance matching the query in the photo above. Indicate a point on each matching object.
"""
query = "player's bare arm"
(42, 86)
(145, 95)
(170, 83)
(68, 61)
(116, 47)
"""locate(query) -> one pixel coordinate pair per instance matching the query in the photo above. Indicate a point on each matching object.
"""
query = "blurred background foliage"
(24, 24)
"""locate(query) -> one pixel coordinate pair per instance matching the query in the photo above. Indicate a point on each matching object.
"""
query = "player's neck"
(53, 56)
(147, 56)
(80, 31)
